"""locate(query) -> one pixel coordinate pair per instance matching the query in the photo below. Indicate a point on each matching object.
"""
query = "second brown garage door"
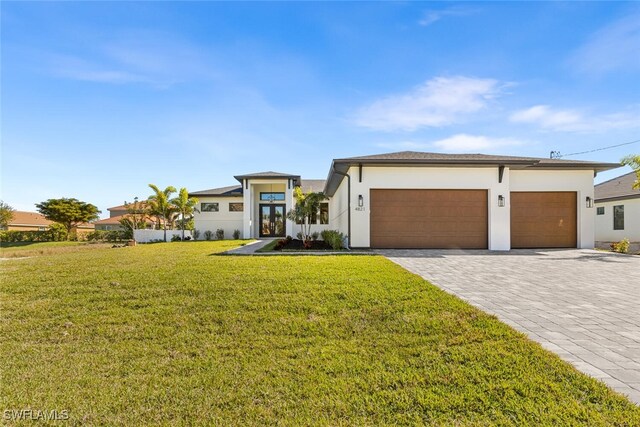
(435, 219)
(543, 219)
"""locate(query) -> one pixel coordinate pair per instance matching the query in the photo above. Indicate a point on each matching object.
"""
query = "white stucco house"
(617, 211)
(422, 200)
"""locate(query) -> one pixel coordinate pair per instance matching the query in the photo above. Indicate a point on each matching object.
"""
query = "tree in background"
(6, 215)
(159, 205)
(135, 219)
(633, 160)
(68, 212)
(306, 208)
(185, 206)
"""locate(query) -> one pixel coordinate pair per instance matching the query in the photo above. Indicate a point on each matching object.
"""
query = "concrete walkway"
(584, 305)
(249, 248)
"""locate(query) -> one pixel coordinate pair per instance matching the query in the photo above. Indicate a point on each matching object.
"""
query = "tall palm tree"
(160, 205)
(185, 206)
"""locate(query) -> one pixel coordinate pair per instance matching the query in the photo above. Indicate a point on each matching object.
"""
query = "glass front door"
(272, 221)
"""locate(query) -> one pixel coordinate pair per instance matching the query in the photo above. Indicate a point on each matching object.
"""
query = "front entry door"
(272, 221)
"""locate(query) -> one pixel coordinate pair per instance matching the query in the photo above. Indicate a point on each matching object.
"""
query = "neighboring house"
(34, 221)
(617, 211)
(422, 200)
(116, 214)
(28, 221)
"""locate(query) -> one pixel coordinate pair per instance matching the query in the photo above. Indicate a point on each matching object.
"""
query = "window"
(600, 210)
(272, 197)
(236, 207)
(324, 213)
(208, 207)
(618, 217)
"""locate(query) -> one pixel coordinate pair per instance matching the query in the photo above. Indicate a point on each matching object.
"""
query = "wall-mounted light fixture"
(360, 201)
(589, 202)
(501, 201)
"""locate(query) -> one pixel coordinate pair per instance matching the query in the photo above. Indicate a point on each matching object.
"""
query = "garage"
(429, 219)
(544, 219)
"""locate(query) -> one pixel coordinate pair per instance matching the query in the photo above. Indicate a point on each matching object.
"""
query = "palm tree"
(185, 206)
(160, 205)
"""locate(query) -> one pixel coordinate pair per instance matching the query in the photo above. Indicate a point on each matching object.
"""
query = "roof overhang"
(342, 166)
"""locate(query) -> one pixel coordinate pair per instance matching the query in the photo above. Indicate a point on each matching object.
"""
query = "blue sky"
(101, 99)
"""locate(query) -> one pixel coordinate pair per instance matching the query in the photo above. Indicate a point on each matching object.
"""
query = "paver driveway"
(583, 305)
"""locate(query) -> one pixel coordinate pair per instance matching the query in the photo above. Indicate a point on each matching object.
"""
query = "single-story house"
(35, 221)
(617, 210)
(422, 200)
(28, 221)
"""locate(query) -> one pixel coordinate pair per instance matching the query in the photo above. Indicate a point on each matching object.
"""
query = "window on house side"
(324, 213)
(236, 207)
(600, 210)
(209, 207)
(618, 217)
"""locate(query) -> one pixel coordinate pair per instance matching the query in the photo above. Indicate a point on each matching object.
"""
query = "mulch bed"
(298, 245)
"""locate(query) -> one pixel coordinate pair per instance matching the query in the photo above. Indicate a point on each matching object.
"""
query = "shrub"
(186, 238)
(300, 236)
(315, 235)
(208, 235)
(219, 234)
(280, 244)
(196, 234)
(106, 236)
(622, 246)
(55, 233)
(236, 234)
(176, 238)
(333, 238)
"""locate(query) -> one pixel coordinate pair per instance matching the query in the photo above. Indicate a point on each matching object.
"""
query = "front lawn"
(29, 249)
(167, 334)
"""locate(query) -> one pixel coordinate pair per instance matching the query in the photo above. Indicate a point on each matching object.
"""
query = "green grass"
(30, 249)
(167, 334)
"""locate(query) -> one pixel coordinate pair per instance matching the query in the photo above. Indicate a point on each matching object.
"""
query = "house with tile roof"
(120, 212)
(617, 211)
(35, 221)
(421, 200)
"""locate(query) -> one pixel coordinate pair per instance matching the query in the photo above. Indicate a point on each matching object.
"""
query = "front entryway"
(272, 220)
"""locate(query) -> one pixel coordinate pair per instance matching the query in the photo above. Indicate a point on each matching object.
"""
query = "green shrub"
(622, 246)
(196, 234)
(55, 233)
(315, 235)
(176, 238)
(236, 234)
(219, 234)
(107, 236)
(333, 238)
(208, 235)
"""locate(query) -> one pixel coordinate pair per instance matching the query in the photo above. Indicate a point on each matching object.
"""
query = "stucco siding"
(224, 219)
(604, 223)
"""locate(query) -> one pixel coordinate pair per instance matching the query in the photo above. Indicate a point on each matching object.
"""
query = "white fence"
(146, 236)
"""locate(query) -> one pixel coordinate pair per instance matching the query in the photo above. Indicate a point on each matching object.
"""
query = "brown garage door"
(543, 219)
(429, 219)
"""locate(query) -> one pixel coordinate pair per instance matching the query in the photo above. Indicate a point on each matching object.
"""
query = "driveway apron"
(584, 305)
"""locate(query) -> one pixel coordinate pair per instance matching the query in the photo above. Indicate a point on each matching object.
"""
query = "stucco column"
(288, 200)
(500, 217)
(247, 216)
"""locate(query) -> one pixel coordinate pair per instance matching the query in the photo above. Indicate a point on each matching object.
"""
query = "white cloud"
(614, 47)
(438, 102)
(458, 143)
(465, 142)
(431, 16)
(552, 119)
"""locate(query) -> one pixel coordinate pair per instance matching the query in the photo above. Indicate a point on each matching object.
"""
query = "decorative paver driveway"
(584, 305)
